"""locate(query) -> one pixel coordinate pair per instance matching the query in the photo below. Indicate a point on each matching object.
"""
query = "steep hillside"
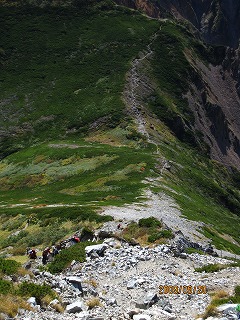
(99, 103)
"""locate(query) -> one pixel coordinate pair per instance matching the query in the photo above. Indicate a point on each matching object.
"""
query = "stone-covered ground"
(124, 284)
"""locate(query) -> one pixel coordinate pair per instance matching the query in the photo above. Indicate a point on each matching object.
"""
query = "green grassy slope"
(62, 69)
(67, 173)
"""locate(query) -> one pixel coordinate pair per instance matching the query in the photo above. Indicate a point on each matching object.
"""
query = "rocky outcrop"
(214, 99)
(146, 6)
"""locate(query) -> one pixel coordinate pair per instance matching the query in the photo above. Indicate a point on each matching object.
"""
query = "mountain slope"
(99, 102)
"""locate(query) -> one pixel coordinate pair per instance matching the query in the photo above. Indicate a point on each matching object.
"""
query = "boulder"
(98, 249)
(150, 299)
(76, 282)
(103, 234)
(27, 265)
(227, 307)
(84, 315)
(131, 313)
(114, 243)
(75, 307)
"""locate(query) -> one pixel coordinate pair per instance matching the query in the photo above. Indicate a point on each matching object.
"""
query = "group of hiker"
(49, 253)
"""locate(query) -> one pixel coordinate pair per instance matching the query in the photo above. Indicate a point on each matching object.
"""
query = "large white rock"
(227, 306)
(76, 306)
(76, 282)
(97, 248)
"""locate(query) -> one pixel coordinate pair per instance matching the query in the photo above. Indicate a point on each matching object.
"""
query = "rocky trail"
(164, 209)
(128, 282)
(137, 87)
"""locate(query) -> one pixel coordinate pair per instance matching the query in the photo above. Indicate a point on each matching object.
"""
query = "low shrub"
(167, 234)
(237, 291)
(9, 267)
(28, 289)
(149, 222)
(221, 294)
(210, 311)
(18, 250)
(94, 302)
(14, 224)
(12, 240)
(193, 250)
(236, 297)
(5, 287)
(71, 213)
(86, 234)
(133, 231)
(66, 256)
(46, 235)
(58, 307)
(211, 268)
(221, 297)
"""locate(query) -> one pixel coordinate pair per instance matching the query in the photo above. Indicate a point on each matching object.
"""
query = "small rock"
(54, 302)
(131, 284)
(111, 302)
(133, 312)
(32, 301)
(141, 317)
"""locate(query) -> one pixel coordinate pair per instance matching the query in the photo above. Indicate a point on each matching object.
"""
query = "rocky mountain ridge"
(213, 95)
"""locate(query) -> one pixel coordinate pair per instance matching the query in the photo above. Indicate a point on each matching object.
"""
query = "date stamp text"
(167, 289)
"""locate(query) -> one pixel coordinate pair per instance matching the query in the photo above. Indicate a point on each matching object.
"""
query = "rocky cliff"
(218, 20)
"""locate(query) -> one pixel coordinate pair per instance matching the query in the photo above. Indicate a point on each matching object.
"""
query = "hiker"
(75, 239)
(45, 255)
(55, 250)
(238, 311)
(119, 226)
(32, 254)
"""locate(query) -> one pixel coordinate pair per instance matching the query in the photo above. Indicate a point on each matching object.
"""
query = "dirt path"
(163, 208)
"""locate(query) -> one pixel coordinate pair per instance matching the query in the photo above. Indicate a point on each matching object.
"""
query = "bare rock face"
(146, 6)
(214, 100)
(218, 21)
